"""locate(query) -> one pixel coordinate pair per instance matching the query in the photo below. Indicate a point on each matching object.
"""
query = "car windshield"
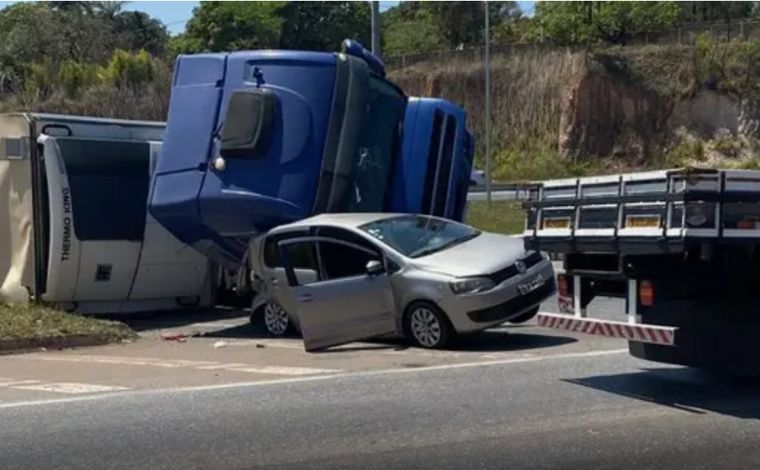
(417, 236)
(378, 139)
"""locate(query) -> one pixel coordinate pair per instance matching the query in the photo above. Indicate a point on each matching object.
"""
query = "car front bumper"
(473, 312)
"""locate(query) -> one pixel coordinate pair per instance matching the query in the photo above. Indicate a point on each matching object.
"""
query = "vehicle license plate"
(557, 222)
(642, 221)
(530, 286)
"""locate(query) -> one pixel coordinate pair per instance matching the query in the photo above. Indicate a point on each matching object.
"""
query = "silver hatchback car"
(345, 277)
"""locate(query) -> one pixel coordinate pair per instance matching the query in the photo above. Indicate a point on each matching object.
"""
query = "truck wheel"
(276, 320)
(427, 326)
(522, 318)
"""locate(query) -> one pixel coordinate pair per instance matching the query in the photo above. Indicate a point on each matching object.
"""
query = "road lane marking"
(70, 388)
(315, 378)
(216, 324)
(180, 363)
(284, 370)
(11, 383)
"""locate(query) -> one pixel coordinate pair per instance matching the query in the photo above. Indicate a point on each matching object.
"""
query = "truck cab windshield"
(379, 138)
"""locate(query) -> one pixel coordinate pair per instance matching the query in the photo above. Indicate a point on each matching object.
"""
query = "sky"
(175, 14)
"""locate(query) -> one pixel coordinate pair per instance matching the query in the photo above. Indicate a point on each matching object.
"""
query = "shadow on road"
(684, 389)
(502, 341)
(486, 341)
(176, 319)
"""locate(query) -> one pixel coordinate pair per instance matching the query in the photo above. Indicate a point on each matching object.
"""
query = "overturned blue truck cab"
(256, 139)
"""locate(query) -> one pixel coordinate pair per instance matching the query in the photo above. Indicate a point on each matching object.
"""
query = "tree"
(136, 30)
(694, 12)
(324, 25)
(613, 22)
(225, 26)
(411, 36)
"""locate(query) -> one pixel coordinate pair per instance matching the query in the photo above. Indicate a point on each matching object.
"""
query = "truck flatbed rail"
(649, 212)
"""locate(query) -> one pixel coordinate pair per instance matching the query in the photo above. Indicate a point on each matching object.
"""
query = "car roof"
(345, 220)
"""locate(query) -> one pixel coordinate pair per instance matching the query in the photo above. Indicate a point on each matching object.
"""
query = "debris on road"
(220, 344)
(174, 336)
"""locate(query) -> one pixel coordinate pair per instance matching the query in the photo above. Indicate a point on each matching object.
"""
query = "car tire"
(524, 317)
(275, 319)
(427, 326)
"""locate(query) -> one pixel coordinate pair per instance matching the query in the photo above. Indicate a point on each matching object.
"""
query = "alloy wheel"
(276, 319)
(425, 327)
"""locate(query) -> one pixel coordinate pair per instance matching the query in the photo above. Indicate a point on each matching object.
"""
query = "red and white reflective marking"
(643, 333)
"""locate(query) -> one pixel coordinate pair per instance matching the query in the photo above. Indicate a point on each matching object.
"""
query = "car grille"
(515, 305)
(531, 260)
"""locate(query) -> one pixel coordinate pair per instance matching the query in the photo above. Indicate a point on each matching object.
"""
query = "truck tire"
(524, 317)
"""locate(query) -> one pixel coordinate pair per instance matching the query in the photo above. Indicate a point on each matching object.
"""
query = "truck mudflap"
(575, 316)
(655, 334)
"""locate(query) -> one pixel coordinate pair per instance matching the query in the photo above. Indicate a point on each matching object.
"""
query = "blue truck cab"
(256, 139)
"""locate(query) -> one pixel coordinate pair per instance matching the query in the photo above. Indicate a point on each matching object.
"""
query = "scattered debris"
(220, 344)
(260, 346)
(174, 336)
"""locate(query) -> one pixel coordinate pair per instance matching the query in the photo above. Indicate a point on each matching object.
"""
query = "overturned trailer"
(74, 226)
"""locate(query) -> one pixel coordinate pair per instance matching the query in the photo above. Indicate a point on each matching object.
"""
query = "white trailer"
(74, 225)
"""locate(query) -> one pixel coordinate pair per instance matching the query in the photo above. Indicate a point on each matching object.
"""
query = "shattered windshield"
(415, 235)
(378, 140)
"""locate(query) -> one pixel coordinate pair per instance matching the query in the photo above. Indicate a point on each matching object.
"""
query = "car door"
(348, 302)
(303, 260)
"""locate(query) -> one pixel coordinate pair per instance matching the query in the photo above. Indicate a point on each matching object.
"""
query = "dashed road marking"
(71, 388)
(12, 383)
(178, 363)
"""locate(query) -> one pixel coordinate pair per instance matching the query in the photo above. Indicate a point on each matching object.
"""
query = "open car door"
(341, 305)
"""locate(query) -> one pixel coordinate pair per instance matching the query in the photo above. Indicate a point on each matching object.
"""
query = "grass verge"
(501, 217)
(38, 322)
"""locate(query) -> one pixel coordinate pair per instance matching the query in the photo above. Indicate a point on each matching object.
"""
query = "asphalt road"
(592, 409)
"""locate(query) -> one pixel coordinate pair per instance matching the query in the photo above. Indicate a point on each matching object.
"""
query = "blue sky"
(175, 14)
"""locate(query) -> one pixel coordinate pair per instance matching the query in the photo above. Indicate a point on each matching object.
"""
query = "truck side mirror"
(247, 123)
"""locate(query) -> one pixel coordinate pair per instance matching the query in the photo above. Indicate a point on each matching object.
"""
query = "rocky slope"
(559, 112)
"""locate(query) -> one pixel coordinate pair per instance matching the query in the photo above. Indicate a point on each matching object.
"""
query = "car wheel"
(427, 326)
(276, 320)
(525, 316)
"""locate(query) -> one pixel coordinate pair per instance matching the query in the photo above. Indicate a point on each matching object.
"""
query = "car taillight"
(646, 293)
(562, 286)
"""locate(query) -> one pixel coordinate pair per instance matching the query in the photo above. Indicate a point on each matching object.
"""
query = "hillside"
(560, 112)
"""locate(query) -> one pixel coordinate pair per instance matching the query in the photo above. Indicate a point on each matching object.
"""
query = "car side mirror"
(374, 267)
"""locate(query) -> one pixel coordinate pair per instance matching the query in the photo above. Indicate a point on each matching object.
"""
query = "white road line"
(71, 388)
(276, 370)
(201, 388)
(216, 324)
(177, 363)
(10, 383)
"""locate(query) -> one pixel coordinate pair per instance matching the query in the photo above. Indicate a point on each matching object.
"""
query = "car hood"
(484, 254)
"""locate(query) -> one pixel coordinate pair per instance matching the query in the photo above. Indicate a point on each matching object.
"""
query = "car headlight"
(471, 285)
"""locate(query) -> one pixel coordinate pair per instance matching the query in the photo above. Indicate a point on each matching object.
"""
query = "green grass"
(39, 321)
(501, 217)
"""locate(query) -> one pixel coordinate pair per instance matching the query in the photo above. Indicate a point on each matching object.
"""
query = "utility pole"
(376, 28)
(487, 117)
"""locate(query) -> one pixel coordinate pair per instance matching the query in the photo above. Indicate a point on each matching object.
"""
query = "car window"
(339, 260)
(302, 257)
(346, 236)
(272, 257)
